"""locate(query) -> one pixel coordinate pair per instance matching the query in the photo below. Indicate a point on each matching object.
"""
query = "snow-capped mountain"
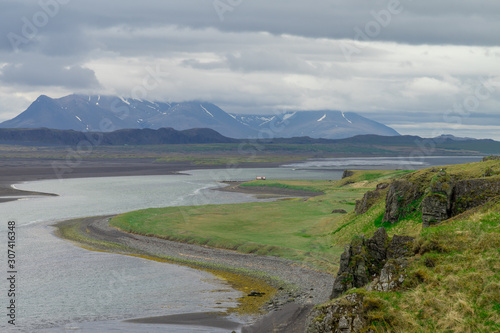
(315, 124)
(110, 113)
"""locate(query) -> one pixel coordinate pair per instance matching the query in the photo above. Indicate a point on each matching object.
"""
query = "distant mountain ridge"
(109, 113)
(146, 136)
(367, 144)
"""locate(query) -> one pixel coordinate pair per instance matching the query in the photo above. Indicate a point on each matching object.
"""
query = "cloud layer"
(409, 64)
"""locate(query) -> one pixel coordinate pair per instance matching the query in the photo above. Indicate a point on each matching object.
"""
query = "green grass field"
(299, 229)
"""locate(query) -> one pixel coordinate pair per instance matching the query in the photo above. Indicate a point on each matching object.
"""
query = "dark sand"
(210, 319)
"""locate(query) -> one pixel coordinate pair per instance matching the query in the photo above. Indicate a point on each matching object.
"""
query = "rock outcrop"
(471, 193)
(401, 197)
(343, 316)
(391, 276)
(379, 263)
(443, 198)
(347, 173)
(491, 158)
(369, 199)
(364, 259)
(436, 204)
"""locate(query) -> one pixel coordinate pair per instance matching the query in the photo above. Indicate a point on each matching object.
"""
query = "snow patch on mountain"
(207, 111)
(124, 100)
(289, 115)
(343, 115)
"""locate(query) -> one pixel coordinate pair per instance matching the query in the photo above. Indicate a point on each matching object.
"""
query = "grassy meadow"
(298, 229)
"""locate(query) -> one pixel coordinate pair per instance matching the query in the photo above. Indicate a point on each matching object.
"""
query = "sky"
(422, 67)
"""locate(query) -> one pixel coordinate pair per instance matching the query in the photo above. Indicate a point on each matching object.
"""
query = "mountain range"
(109, 113)
(362, 144)
(135, 137)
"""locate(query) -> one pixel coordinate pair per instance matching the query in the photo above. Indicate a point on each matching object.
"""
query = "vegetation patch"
(454, 280)
(296, 229)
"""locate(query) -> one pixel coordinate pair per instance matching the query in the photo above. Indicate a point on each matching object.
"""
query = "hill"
(301, 147)
(45, 136)
(109, 113)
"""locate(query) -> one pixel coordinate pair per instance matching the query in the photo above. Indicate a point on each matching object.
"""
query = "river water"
(63, 288)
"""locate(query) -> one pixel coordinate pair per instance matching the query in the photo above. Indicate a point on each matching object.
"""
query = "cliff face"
(445, 196)
(400, 200)
(370, 198)
(471, 193)
(377, 263)
(364, 260)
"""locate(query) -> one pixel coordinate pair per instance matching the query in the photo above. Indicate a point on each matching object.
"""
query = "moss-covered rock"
(370, 198)
(364, 259)
(472, 193)
(491, 158)
(401, 200)
(347, 314)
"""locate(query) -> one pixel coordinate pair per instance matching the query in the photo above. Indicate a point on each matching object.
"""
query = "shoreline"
(15, 171)
(298, 288)
(265, 192)
(288, 307)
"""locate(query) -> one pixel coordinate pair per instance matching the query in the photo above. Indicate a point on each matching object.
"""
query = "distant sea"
(64, 288)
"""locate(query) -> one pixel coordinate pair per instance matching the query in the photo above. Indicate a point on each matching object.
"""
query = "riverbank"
(15, 171)
(265, 192)
(289, 288)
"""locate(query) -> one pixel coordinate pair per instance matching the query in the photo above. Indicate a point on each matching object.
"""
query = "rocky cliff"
(439, 195)
(384, 264)
(363, 261)
(377, 263)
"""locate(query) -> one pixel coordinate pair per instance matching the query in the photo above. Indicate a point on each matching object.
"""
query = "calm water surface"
(62, 287)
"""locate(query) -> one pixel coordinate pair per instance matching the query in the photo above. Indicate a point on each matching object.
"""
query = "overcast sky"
(422, 67)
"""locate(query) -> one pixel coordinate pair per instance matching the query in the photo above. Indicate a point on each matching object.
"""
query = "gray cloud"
(263, 56)
(48, 74)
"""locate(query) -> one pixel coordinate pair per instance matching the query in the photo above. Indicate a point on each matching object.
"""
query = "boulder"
(339, 211)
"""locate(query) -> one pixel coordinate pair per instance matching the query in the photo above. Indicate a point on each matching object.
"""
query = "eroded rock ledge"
(439, 199)
(377, 263)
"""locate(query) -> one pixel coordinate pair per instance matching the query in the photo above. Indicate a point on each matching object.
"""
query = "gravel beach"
(288, 309)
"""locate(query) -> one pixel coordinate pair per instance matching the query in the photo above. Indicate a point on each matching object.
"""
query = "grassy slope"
(297, 229)
(454, 280)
